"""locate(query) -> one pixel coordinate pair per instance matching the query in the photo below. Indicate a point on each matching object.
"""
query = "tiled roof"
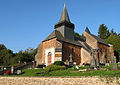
(99, 40)
(96, 37)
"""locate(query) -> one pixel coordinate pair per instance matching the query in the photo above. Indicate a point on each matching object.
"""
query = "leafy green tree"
(2, 47)
(115, 41)
(77, 35)
(26, 56)
(103, 32)
(5, 56)
(112, 32)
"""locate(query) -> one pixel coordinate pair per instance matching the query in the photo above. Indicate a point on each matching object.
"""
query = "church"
(62, 45)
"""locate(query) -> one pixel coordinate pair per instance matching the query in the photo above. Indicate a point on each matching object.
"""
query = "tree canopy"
(110, 37)
(7, 57)
(103, 32)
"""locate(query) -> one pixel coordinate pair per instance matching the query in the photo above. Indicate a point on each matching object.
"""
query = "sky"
(25, 23)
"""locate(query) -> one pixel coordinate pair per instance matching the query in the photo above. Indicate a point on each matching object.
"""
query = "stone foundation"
(58, 81)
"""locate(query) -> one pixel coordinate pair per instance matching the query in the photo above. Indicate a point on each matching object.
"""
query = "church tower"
(64, 26)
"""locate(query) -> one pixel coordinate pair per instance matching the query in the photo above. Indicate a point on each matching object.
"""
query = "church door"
(49, 58)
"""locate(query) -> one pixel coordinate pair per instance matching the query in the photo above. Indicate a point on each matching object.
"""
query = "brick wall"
(48, 44)
(67, 51)
(103, 49)
(59, 81)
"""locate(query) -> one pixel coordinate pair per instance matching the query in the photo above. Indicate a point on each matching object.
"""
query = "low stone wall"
(58, 81)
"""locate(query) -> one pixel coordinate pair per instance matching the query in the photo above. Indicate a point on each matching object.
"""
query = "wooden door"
(49, 58)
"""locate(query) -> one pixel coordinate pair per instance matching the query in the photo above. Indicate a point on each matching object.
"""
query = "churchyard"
(60, 70)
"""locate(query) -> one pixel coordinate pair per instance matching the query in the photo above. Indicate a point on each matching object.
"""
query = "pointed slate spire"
(87, 30)
(64, 16)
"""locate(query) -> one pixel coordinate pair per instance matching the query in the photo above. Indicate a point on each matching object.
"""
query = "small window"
(72, 53)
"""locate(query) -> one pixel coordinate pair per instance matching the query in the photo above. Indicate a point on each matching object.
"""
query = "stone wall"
(38, 56)
(85, 56)
(90, 40)
(111, 50)
(58, 81)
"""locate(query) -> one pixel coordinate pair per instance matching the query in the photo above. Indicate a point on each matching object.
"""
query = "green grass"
(87, 73)
(70, 72)
(32, 72)
(108, 67)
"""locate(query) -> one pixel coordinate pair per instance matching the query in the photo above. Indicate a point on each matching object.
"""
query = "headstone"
(12, 69)
(19, 72)
(104, 59)
(94, 61)
(67, 62)
(115, 67)
(2, 68)
(71, 60)
(107, 64)
(112, 59)
(74, 63)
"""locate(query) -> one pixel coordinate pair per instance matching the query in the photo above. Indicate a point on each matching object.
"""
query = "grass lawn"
(68, 72)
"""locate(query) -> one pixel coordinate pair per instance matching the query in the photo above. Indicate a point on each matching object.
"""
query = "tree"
(103, 32)
(6, 56)
(112, 32)
(77, 35)
(115, 41)
(26, 56)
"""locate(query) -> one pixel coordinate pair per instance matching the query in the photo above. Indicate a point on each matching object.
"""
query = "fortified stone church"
(62, 45)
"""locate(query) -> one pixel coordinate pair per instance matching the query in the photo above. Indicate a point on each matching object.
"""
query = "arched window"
(49, 54)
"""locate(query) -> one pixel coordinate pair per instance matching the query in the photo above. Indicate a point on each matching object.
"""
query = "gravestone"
(104, 58)
(71, 60)
(67, 62)
(19, 72)
(2, 68)
(115, 67)
(12, 69)
(112, 59)
(94, 61)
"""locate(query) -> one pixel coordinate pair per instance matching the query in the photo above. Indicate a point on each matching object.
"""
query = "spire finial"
(65, 4)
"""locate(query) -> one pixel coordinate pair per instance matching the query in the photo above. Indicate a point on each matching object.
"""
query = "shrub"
(8, 72)
(54, 68)
(59, 63)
